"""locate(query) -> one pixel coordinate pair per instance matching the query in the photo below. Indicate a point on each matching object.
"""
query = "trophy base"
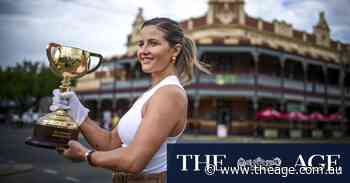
(47, 145)
(53, 131)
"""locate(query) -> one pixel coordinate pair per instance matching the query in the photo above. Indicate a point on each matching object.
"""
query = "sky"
(102, 26)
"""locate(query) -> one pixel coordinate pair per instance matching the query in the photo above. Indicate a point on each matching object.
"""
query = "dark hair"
(187, 58)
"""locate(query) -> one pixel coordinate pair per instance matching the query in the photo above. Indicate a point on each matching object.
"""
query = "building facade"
(255, 64)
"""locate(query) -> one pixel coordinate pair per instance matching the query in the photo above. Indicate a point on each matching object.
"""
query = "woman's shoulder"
(172, 90)
(170, 93)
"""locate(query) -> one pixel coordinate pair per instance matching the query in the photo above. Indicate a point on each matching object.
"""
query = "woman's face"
(154, 52)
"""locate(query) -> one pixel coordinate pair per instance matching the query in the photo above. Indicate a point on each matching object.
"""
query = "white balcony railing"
(125, 84)
(247, 79)
(227, 79)
(333, 90)
(292, 84)
(239, 79)
(267, 81)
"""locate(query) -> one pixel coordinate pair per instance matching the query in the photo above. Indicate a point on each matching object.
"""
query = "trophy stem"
(65, 84)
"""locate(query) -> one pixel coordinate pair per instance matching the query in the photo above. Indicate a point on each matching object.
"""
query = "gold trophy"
(55, 129)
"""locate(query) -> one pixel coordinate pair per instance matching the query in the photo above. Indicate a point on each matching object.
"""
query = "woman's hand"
(75, 151)
(69, 101)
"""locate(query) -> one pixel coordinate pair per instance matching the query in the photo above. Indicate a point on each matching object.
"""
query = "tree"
(25, 84)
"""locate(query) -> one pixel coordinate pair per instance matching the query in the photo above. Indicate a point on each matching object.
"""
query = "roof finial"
(140, 11)
(322, 22)
(139, 17)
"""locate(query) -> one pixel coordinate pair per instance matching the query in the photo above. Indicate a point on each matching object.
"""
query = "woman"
(136, 148)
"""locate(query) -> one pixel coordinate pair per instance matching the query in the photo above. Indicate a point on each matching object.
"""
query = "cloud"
(303, 15)
(8, 7)
(72, 23)
(26, 27)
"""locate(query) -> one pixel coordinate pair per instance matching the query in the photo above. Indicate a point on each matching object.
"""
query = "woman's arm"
(99, 138)
(166, 108)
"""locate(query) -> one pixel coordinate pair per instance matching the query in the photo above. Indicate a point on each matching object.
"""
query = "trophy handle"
(49, 56)
(99, 62)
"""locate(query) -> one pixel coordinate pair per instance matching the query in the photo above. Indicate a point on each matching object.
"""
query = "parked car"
(30, 117)
(2, 118)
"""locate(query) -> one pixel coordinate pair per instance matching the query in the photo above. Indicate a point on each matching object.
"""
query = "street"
(26, 164)
(30, 164)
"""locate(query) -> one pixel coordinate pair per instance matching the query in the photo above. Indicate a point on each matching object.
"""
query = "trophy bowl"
(55, 129)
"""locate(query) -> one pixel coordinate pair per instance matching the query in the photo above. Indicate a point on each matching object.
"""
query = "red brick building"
(255, 64)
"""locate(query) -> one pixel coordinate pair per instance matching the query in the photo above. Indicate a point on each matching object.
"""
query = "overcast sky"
(26, 26)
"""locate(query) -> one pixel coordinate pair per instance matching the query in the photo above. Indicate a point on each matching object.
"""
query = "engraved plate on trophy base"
(52, 137)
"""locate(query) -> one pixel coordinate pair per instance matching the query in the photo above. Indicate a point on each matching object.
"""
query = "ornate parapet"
(283, 28)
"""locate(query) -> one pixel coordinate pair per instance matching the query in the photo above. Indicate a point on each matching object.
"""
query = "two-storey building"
(255, 64)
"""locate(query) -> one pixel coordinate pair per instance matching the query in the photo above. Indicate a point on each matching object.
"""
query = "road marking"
(72, 179)
(11, 162)
(8, 169)
(50, 171)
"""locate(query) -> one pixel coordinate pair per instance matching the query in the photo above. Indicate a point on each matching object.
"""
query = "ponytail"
(187, 61)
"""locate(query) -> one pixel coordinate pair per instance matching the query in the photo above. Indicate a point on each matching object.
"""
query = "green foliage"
(26, 83)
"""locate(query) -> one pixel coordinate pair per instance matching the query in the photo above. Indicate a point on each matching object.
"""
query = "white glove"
(70, 101)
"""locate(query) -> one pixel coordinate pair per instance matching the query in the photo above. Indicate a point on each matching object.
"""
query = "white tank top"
(130, 122)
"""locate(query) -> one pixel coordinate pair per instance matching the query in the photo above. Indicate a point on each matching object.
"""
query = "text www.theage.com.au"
(315, 164)
(271, 170)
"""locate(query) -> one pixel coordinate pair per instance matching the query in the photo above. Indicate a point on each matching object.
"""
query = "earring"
(173, 59)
